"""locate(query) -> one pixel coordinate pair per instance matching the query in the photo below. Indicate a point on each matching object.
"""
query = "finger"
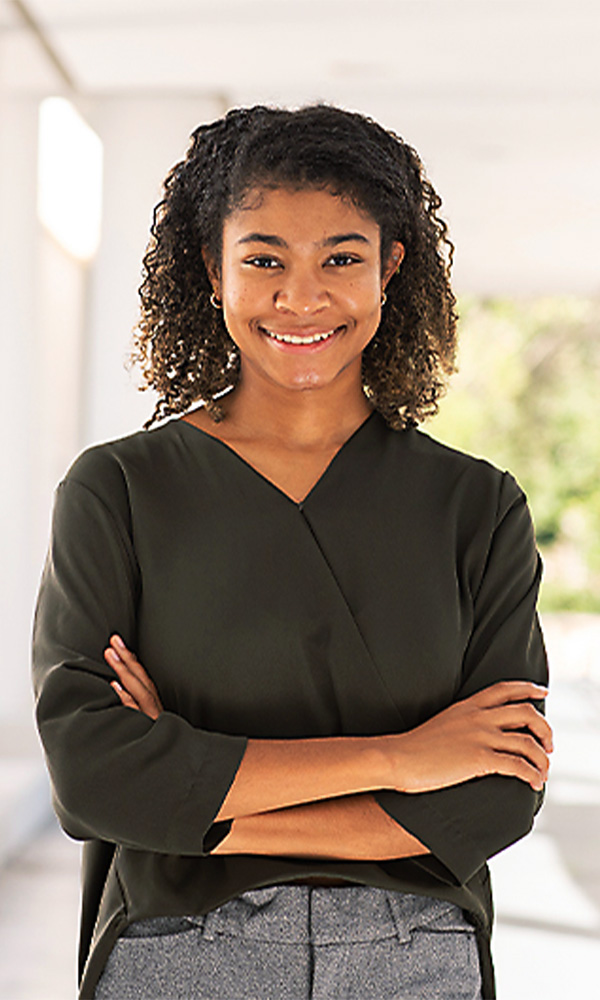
(131, 661)
(517, 767)
(128, 657)
(124, 695)
(525, 716)
(146, 700)
(121, 647)
(132, 684)
(509, 691)
(526, 746)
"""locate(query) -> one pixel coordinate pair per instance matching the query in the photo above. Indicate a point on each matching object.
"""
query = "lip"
(307, 332)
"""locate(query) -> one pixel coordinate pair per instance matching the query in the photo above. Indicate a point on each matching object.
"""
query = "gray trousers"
(294, 942)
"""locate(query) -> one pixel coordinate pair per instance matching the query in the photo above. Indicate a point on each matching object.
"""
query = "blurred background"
(502, 100)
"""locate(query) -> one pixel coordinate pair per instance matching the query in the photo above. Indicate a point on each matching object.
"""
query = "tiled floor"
(547, 887)
(39, 901)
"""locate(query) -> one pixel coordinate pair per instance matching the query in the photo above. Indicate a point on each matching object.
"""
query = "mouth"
(303, 341)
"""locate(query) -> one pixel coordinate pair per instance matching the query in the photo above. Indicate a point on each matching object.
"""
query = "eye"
(342, 259)
(263, 261)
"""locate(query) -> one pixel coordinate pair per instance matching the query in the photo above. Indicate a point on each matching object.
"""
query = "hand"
(495, 731)
(134, 687)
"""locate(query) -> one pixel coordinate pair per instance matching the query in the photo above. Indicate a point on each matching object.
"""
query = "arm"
(472, 738)
(467, 823)
(292, 797)
(494, 731)
(110, 767)
(350, 829)
(306, 772)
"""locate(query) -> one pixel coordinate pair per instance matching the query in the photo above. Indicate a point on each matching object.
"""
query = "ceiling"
(501, 97)
(282, 49)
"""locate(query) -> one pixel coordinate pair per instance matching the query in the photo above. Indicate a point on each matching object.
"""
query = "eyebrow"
(276, 241)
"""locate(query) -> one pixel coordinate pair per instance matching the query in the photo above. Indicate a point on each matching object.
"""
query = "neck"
(303, 418)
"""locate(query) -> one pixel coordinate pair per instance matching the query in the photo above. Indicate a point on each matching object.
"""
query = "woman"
(318, 713)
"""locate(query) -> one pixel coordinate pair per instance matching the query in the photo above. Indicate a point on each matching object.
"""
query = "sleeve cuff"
(215, 835)
(465, 824)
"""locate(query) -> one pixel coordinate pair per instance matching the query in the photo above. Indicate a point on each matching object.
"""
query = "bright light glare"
(69, 178)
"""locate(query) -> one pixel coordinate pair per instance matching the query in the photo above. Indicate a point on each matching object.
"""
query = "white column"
(19, 560)
(60, 294)
(143, 137)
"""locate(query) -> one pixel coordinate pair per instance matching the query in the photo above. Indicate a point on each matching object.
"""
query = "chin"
(312, 381)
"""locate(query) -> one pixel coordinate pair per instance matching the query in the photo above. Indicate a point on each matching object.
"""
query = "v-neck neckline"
(265, 479)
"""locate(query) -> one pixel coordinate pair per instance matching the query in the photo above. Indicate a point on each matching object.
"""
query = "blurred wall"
(65, 329)
(19, 245)
(143, 137)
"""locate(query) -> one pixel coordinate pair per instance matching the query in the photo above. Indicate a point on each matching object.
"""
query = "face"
(301, 283)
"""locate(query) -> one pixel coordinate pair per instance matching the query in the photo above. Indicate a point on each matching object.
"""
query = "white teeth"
(290, 338)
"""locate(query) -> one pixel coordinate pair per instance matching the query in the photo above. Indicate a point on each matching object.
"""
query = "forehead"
(306, 216)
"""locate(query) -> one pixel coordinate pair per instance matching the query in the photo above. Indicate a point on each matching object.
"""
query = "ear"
(213, 272)
(393, 263)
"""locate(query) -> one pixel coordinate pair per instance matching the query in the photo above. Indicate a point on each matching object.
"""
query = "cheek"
(364, 296)
(237, 306)
(368, 313)
(242, 297)
(367, 310)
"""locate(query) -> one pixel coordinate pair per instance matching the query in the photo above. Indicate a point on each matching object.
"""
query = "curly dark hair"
(181, 342)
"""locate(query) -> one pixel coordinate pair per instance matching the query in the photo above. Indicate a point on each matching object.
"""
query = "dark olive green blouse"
(406, 579)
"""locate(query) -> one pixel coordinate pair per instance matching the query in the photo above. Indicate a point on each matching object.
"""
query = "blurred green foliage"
(527, 397)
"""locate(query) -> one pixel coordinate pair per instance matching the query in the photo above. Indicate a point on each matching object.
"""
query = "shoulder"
(108, 470)
(449, 459)
(452, 461)
(460, 480)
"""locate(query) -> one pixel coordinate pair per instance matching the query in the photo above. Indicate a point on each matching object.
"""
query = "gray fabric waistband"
(322, 915)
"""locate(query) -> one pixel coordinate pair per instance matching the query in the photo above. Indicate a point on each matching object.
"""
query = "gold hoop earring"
(215, 302)
(383, 298)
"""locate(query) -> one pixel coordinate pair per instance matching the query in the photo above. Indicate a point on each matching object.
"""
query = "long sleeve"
(115, 774)
(407, 578)
(467, 823)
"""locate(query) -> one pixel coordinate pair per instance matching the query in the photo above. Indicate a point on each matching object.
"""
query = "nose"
(303, 291)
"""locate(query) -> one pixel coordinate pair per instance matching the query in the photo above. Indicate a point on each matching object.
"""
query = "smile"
(292, 338)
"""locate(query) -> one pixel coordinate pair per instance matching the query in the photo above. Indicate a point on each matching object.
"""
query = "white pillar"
(19, 560)
(61, 290)
(143, 137)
